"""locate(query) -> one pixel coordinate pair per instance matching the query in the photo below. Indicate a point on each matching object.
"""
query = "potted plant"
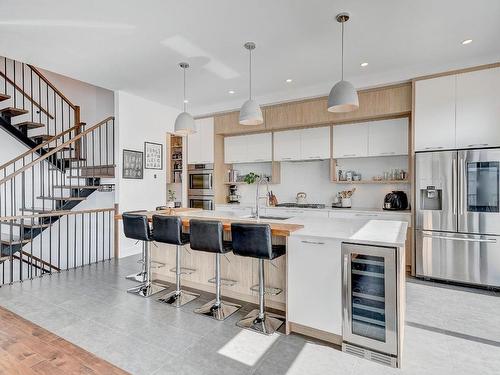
(171, 198)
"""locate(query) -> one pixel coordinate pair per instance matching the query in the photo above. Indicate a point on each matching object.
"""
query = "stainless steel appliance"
(200, 186)
(205, 202)
(200, 179)
(457, 229)
(372, 302)
(233, 196)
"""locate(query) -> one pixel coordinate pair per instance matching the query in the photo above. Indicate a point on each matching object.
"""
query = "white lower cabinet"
(314, 291)
(295, 212)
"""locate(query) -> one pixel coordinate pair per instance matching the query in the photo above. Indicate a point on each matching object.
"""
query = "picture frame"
(153, 155)
(133, 164)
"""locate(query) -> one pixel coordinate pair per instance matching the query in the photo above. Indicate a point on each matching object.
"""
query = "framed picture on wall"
(153, 155)
(133, 164)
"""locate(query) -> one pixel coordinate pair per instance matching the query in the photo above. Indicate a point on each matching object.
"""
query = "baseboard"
(315, 333)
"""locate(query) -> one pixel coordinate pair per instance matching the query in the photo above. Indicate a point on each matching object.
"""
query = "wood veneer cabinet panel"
(374, 103)
(227, 123)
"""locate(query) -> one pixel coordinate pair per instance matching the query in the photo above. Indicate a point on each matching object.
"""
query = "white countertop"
(327, 209)
(364, 231)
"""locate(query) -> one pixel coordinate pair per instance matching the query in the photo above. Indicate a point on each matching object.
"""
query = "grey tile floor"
(449, 330)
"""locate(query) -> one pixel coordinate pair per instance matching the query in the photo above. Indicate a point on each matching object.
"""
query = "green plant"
(251, 178)
(171, 195)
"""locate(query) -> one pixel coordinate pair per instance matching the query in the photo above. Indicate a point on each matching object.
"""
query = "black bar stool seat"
(136, 226)
(208, 236)
(141, 275)
(254, 240)
(168, 230)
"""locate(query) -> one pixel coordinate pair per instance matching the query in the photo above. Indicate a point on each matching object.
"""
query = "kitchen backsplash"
(313, 178)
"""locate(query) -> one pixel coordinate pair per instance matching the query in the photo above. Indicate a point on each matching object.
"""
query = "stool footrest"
(184, 270)
(155, 264)
(268, 290)
(224, 282)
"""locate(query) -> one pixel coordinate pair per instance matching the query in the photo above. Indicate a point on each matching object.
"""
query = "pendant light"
(343, 96)
(184, 123)
(250, 112)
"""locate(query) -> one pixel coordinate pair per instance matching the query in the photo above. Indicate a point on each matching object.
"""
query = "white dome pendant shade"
(184, 123)
(343, 96)
(250, 112)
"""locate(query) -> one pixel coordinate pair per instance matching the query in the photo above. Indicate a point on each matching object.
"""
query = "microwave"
(200, 179)
(204, 202)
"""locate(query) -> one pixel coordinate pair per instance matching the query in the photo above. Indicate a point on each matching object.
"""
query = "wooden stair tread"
(62, 198)
(97, 166)
(28, 224)
(38, 210)
(4, 97)
(42, 137)
(76, 187)
(12, 112)
(65, 148)
(15, 239)
(29, 125)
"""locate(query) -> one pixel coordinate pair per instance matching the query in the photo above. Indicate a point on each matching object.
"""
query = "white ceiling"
(136, 45)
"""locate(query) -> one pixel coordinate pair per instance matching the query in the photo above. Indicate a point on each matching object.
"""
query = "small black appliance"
(396, 201)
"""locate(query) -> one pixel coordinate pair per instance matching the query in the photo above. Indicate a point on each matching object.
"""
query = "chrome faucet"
(258, 197)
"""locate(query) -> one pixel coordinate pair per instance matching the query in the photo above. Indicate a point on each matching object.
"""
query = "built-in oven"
(205, 202)
(200, 179)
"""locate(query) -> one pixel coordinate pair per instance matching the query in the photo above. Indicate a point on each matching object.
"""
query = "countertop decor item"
(343, 96)
(184, 123)
(301, 198)
(346, 197)
(251, 178)
(250, 112)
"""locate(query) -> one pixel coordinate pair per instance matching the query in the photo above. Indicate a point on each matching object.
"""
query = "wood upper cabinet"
(287, 145)
(382, 102)
(248, 148)
(315, 143)
(228, 124)
(478, 109)
(435, 113)
(350, 140)
(388, 137)
(200, 145)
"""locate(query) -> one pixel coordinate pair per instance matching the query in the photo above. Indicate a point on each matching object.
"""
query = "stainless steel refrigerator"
(457, 229)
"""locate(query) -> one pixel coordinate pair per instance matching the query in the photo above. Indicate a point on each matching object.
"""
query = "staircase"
(65, 163)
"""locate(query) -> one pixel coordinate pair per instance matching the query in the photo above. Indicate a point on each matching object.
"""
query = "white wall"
(313, 178)
(140, 120)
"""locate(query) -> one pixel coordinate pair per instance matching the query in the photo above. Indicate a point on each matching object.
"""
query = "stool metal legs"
(217, 308)
(147, 288)
(141, 276)
(259, 320)
(178, 297)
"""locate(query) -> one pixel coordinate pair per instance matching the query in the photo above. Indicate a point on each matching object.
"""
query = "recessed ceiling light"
(466, 41)
(231, 92)
(289, 80)
(364, 64)
(186, 101)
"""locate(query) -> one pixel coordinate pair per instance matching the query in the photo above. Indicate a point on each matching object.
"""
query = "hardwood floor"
(27, 349)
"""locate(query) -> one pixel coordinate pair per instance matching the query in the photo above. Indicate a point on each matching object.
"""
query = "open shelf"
(366, 182)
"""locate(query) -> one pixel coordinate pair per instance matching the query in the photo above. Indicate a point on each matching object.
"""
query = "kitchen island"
(309, 276)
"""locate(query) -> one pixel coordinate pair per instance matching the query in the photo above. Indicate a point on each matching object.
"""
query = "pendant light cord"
(184, 100)
(343, 50)
(250, 72)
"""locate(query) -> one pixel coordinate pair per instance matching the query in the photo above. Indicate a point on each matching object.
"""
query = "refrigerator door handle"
(487, 240)
(461, 179)
(454, 183)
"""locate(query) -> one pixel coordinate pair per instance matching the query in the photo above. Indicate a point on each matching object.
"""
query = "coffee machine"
(233, 196)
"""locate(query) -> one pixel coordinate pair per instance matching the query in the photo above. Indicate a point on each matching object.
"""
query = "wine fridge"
(371, 304)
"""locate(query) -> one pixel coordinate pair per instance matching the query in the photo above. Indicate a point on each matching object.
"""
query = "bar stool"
(254, 240)
(136, 227)
(168, 229)
(208, 236)
(141, 275)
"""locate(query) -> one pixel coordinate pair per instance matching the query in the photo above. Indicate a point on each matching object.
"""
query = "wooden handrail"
(25, 94)
(38, 147)
(43, 262)
(55, 150)
(52, 86)
(55, 213)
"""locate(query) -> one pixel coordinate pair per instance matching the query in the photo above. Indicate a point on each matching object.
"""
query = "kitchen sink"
(270, 217)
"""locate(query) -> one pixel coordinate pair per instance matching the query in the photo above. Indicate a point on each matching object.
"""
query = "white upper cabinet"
(315, 143)
(350, 141)
(287, 145)
(478, 109)
(200, 145)
(248, 148)
(435, 113)
(259, 147)
(388, 137)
